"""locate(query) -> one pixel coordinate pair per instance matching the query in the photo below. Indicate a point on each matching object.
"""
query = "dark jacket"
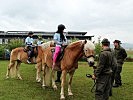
(120, 54)
(105, 63)
(114, 62)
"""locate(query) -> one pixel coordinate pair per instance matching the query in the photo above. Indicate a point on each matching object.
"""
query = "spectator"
(120, 55)
(103, 72)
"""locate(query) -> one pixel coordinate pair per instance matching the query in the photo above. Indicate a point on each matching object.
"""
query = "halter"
(89, 56)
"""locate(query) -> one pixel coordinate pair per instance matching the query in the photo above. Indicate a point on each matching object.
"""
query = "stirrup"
(28, 62)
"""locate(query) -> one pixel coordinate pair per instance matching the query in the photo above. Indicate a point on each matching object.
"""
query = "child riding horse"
(69, 62)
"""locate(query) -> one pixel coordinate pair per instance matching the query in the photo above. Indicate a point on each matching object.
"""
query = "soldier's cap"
(117, 41)
(105, 41)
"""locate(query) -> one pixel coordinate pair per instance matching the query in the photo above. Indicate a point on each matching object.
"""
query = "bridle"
(89, 56)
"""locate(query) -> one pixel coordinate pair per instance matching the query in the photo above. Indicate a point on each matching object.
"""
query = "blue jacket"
(58, 41)
(39, 42)
(29, 41)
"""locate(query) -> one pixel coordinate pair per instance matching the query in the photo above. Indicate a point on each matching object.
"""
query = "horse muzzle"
(91, 63)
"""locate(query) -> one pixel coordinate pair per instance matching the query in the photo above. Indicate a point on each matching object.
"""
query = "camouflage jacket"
(120, 54)
(106, 63)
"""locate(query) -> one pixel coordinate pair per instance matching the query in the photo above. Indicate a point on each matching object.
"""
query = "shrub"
(2, 50)
(74, 39)
(129, 59)
(14, 43)
(98, 49)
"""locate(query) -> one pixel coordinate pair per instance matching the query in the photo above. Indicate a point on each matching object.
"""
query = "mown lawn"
(28, 89)
(130, 53)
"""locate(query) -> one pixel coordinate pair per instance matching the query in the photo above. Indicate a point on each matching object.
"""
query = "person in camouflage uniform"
(120, 55)
(114, 67)
(103, 72)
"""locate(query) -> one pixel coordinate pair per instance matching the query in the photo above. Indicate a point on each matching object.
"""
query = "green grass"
(28, 89)
(130, 53)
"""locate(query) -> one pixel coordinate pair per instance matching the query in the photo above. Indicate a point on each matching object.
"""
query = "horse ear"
(85, 41)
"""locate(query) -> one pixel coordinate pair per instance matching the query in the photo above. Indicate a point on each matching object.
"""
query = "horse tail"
(48, 76)
(12, 64)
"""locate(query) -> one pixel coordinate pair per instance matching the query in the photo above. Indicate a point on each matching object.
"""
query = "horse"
(68, 64)
(19, 55)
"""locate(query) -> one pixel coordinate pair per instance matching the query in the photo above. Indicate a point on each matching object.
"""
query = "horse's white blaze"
(89, 45)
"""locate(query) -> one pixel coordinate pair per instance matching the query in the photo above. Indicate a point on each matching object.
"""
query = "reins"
(90, 76)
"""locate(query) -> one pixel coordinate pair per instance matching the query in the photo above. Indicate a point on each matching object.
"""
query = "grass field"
(130, 53)
(28, 89)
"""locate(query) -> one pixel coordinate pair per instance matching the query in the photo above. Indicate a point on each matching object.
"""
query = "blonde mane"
(46, 44)
(88, 44)
(73, 44)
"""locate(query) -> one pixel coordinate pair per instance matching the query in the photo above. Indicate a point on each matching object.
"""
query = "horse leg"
(53, 80)
(11, 65)
(17, 68)
(44, 73)
(38, 72)
(63, 84)
(69, 83)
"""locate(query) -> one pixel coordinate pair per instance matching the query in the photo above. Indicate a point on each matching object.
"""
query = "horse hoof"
(38, 81)
(7, 77)
(70, 94)
(20, 78)
(62, 98)
(44, 87)
(55, 88)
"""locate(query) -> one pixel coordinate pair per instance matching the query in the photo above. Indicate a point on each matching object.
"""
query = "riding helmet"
(61, 27)
(30, 33)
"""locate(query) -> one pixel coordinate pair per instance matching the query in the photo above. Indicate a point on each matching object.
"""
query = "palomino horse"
(69, 62)
(18, 56)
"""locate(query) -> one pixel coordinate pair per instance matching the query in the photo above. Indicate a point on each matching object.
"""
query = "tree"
(98, 48)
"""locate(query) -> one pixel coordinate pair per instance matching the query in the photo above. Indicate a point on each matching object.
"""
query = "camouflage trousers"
(118, 74)
(103, 84)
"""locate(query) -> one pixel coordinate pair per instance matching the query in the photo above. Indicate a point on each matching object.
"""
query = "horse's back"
(17, 53)
(17, 50)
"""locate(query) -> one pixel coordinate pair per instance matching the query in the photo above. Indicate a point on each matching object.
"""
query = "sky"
(112, 19)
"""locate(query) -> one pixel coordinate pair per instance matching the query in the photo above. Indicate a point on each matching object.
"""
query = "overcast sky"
(112, 19)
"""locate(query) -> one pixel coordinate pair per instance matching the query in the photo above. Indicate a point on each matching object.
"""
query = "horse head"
(88, 49)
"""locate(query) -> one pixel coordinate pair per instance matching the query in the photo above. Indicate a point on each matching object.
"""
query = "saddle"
(60, 56)
(28, 51)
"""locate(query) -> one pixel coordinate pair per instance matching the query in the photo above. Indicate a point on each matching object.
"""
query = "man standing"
(103, 72)
(120, 55)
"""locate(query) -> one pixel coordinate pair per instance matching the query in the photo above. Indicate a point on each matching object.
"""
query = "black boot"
(28, 61)
(110, 93)
(58, 76)
(116, 85)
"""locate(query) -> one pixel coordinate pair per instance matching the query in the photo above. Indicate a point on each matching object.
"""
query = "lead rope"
(93, 86)
(90, 76)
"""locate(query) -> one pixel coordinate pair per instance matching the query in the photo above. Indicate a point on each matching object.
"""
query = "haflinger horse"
(19, 55)
(69, 63)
